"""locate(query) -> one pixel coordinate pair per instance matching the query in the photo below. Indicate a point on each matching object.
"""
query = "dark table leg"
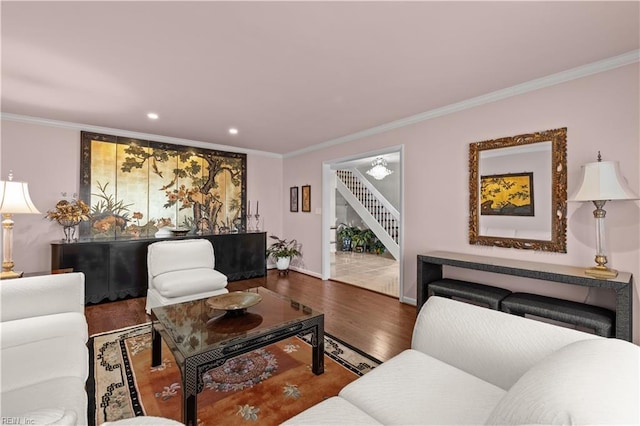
(317, 343)
(190, 393)
(190, 413)
(156, 347)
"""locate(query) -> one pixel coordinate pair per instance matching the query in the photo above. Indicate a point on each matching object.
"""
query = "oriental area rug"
(266, 386)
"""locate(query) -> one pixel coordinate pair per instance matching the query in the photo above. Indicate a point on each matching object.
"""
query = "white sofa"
(43, 334)
(182, 270)
(472, 365)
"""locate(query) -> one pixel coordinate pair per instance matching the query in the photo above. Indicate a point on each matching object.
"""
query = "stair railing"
(373, 202)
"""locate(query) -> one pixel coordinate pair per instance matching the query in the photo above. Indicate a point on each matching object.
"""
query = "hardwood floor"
(377, 324)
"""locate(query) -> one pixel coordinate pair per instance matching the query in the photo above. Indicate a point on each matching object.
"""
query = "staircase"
(376, 212)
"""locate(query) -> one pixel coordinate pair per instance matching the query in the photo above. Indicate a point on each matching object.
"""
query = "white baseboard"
(409, 300)
(306, 272)
(301, 270)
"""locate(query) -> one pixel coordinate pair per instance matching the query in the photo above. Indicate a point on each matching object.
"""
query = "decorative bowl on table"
(179, 232)
(235, 302)
(163, 232)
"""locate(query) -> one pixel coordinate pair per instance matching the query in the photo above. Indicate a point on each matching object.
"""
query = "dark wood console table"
(117, 268)
(430, 269)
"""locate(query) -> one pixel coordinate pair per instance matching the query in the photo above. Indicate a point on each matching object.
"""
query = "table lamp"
(14, 199)
(601, 182)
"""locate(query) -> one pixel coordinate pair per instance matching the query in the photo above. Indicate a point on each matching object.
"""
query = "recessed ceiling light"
(152, 115)
(233, 131)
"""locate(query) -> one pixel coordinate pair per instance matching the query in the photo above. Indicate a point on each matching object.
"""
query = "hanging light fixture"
(379, 169)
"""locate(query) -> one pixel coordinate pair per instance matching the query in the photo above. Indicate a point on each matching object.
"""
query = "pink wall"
(49, 160)
(264, 177)
(601, 112)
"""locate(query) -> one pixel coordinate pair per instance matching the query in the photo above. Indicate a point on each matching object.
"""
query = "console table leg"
(427, 273)
(624, 314)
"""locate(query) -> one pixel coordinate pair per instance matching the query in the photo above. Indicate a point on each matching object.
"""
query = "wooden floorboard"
(377, 324)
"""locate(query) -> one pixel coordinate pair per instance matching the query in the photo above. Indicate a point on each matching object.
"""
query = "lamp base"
(5, 275)
(601, 272)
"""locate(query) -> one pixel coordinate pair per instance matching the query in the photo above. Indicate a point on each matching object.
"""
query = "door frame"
(328, 203)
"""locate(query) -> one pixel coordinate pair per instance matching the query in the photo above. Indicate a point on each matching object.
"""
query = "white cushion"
(19, 332)
(42, 295)
(588, 382)
(44, 360)
(167, 256)
(67, 393)
(332, 411)
(413, 388)
(154, 299)
(193, 281)
(492, 345)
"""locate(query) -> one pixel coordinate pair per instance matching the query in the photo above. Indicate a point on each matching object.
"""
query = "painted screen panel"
(135, 187)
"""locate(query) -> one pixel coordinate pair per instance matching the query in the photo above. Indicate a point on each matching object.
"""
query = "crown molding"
(519, 89)
(134, 135)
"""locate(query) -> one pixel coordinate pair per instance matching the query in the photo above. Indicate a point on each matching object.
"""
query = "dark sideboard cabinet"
(115, 269)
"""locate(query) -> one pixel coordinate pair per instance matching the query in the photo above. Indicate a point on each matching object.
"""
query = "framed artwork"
(501, 191)
(293, 199)
(135, 187)
(507, 195)
(306, 198)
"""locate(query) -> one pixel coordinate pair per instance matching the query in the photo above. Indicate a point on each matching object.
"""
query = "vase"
(69, 229)
(282, 263)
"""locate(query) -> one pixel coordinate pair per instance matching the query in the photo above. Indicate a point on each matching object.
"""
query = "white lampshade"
(602, 180)
(14, 198)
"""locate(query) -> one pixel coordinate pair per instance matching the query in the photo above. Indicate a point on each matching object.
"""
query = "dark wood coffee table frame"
(193, 367)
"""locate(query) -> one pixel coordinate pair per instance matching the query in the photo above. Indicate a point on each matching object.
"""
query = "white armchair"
(45, 361)
(182, 270)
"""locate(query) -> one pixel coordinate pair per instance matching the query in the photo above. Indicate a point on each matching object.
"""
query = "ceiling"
(287, 75)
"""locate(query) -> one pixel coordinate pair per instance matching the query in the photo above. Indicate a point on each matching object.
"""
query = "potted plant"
(359, 239)
(344, 237)
(378, 247)
(283, 251)
(368, 236)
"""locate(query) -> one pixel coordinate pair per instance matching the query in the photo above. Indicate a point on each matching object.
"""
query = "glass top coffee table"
(202, 338)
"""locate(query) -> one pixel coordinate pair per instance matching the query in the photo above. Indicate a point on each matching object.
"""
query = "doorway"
(362, 221)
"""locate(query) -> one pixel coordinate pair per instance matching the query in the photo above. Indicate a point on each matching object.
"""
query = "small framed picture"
(306, 198)
(293, 199)
(508, 194)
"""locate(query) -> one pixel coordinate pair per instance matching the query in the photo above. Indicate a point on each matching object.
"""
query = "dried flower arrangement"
(69, 214)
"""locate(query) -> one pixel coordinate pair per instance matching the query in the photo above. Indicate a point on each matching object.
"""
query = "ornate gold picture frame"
(544, 155)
